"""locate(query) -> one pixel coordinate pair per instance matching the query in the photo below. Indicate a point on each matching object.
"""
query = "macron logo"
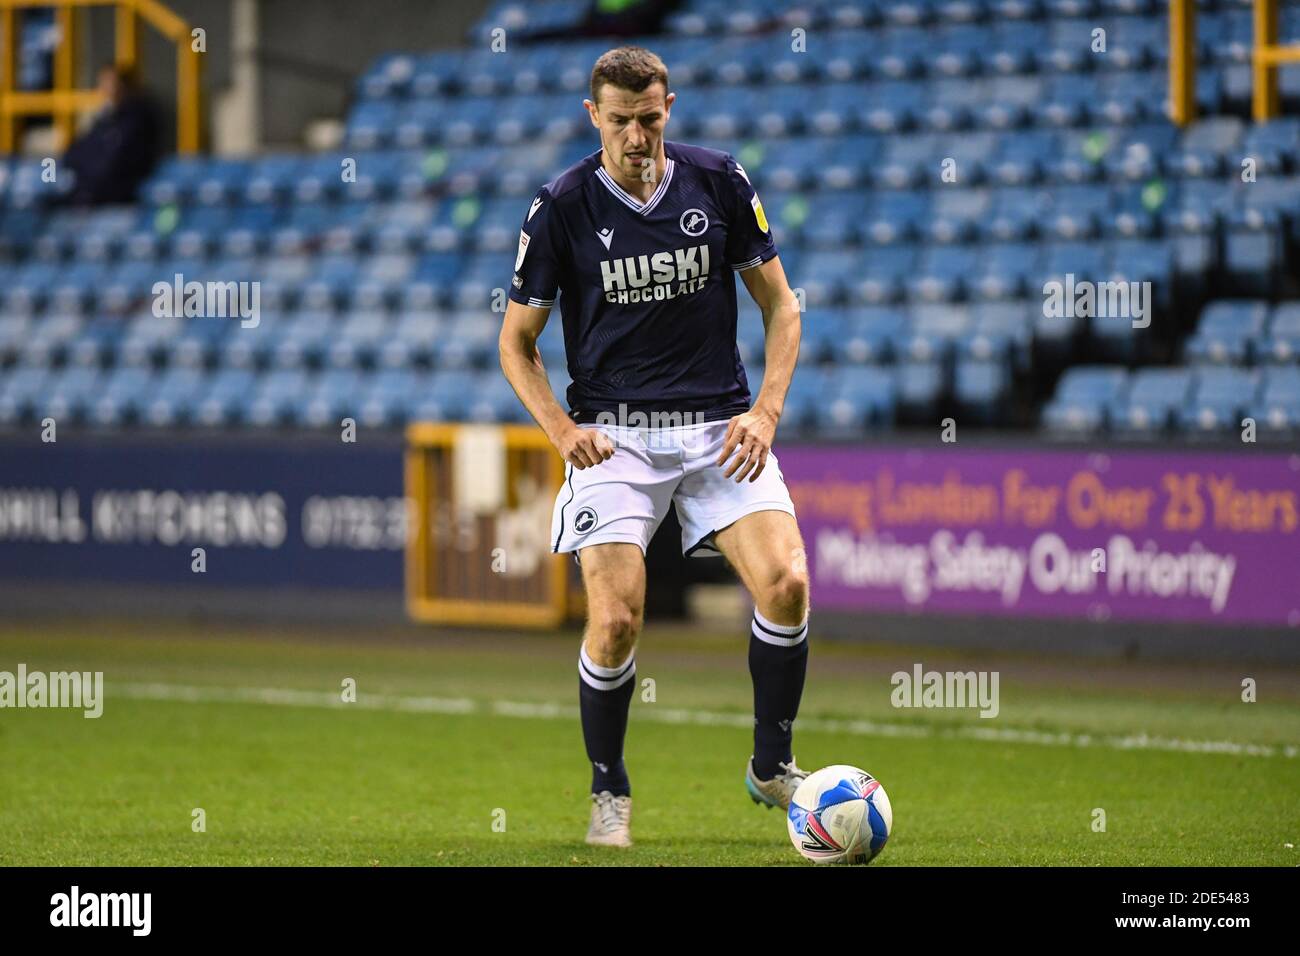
(606, 236)
(537, 203)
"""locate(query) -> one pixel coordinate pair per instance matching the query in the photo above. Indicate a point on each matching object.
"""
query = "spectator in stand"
(111, 158)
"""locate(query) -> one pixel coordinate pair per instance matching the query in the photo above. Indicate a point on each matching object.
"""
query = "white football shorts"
(627, 496)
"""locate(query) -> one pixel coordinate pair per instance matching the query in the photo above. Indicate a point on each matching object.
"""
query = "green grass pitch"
(465, 749)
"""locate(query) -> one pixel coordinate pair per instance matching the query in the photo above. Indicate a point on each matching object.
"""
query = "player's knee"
(787, 597)
(611, 634)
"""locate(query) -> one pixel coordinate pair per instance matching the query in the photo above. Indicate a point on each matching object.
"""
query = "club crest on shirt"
(694, 222)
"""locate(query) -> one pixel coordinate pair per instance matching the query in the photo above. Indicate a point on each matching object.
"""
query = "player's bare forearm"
(750, 436)
(781, 348)
(522, 364)
(523, 368)
(782, 329)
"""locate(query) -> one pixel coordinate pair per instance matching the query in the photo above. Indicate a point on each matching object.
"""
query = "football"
(840, 814)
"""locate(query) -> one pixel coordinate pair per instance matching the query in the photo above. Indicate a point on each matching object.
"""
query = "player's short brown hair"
(629, 68)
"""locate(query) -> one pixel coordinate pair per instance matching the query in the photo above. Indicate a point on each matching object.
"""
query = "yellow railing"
(1266, 57)
(1182, 61)
(63, 102)
(453, 546)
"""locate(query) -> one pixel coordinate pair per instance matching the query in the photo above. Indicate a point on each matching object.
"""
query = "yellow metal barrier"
(478, 544)
(1266, 57)
(64, 102)
(1182, 61)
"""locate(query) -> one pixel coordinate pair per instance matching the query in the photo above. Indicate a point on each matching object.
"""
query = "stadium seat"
(1281, 343)
(1154, 397)
(1226, 332)
(1278, 408)
(1221, 397)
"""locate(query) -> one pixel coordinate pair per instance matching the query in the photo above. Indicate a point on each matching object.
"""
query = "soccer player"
(640, 241)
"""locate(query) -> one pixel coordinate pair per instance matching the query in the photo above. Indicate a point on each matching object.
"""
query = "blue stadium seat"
(1274, 146)
(881, 277)
(67, 394)
(174, 181)
(904, 51)
(222, 398)
(1207, 147)
(331, 396)
(957, 214)
(1137, 153)
(909, 160)
(388, 75)
(371, 123)
(942, 273)
(20, 390)
(1154, 396)
(119, 401)
(1076, 212)
(1065, 100)
(14, 330)
(981, 388)
(1226, 331)
(1001, 329)
(857, 399)
(920, 388)
(1023, 157)
(1220, 399)
(1281, 344)
(275, 397)
(896, 216)
(1006, 270)
(220, 181)
(870, 334)
(888, 106)
(1278, 408)
(932, 332)
(826, 277)
(1016, 213)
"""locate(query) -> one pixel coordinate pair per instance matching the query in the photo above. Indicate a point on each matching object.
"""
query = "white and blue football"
(840, 814)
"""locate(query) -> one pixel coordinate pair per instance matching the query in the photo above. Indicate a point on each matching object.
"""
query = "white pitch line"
(285, 697)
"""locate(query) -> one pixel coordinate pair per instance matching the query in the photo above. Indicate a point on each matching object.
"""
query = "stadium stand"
(922, 295)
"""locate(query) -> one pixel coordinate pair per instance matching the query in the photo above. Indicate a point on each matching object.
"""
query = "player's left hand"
(750, 435)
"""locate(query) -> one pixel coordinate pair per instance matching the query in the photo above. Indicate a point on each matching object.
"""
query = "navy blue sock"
(604, 695)
(778, 661)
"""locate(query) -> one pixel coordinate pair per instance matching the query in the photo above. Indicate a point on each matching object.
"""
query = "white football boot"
(777, 792)
(611, 819)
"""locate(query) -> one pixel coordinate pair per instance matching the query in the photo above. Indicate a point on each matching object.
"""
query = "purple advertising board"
(1120, 534)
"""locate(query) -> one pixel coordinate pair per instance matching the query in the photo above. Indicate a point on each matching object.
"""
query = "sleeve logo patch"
(523, 249)
(759, 214)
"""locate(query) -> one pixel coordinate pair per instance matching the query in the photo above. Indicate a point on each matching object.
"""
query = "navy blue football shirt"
(646, 291)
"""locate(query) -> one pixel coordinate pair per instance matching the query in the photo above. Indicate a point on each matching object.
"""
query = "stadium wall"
(990, 545)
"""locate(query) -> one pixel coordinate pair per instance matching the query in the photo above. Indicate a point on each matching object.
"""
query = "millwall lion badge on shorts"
(584, 520)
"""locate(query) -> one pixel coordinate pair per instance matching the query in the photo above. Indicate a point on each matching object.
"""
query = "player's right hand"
(584, 447)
